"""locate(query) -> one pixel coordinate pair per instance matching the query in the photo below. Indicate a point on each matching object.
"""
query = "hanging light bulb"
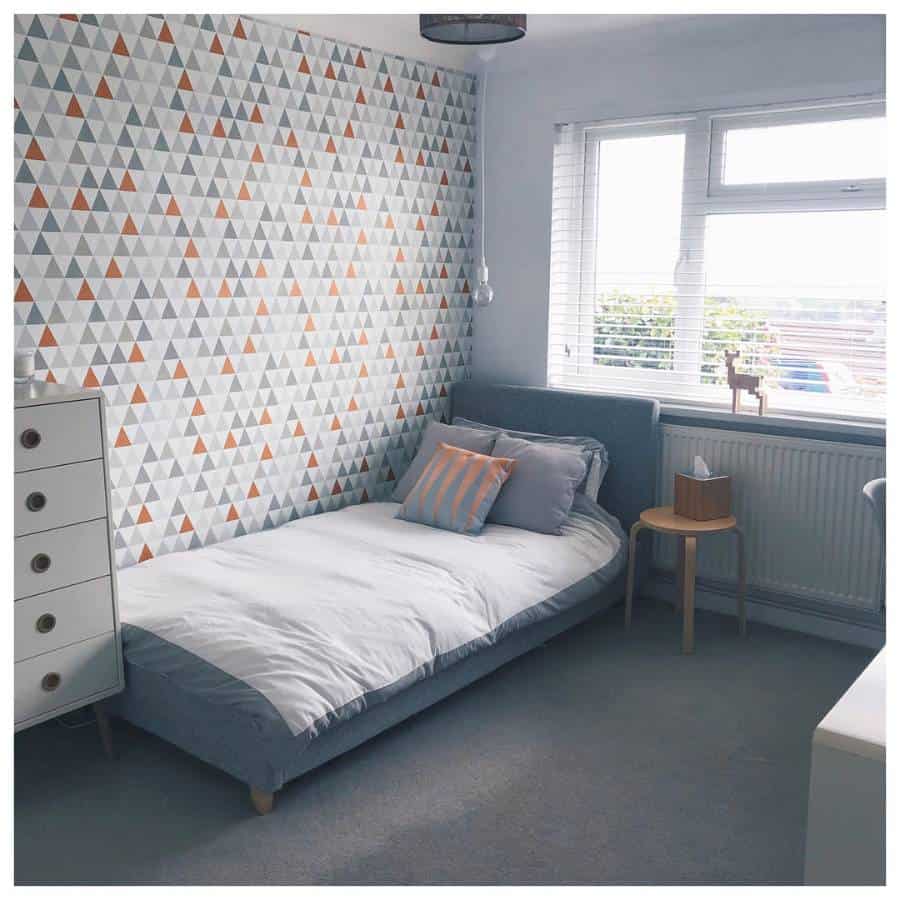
(484, 293)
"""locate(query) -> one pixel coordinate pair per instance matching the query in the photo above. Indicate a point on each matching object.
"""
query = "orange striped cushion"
(456, 489)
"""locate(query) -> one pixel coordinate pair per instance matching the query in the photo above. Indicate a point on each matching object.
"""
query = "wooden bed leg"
(105, 730)
(262, 801)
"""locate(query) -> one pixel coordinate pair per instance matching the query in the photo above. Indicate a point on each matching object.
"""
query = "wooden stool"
(664, 520)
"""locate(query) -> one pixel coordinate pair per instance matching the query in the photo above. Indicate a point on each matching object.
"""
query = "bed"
(272, 653)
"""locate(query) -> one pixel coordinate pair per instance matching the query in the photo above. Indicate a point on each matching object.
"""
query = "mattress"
(307, 625)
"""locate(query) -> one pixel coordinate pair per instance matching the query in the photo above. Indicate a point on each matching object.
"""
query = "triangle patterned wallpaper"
(256, 242)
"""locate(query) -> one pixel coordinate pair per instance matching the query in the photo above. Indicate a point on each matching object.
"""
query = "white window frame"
(705, 132)
(840, 194)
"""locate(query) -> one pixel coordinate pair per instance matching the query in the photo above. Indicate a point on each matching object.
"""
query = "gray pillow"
(596, 457)
(538, 495)
(476, 440)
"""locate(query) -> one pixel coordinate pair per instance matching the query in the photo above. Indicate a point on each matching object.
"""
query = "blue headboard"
(628, 426)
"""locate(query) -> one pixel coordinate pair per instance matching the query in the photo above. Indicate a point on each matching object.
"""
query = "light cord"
(483, 178)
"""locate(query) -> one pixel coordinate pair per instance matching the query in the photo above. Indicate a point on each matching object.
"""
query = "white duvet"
(322, 611)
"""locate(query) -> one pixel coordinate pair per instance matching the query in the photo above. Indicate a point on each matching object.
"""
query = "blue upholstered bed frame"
(629, 428)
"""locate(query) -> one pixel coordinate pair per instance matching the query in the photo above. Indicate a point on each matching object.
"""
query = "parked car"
(815, 376)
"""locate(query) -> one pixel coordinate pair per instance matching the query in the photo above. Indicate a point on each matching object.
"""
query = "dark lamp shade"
(470, 29)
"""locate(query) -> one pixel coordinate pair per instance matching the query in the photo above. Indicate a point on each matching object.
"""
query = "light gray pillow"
(596, 456)
(474, 439)
(538, 495)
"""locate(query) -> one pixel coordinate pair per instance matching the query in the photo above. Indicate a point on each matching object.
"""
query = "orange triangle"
(348, 131)
(119, 47)
(138, 396)
(85, 292)
(145, 554)
(198, 409)
(180, 370)
(172, 207)
(230, 442)
(186, 127)
(265, 418)
(389, 85)
(129, 227)
(193, 292)
(47, 338)
(22, 293)
(329, 72)
(310, 324)
(232, 514)
(218, 129)
(112, 270)
(199, 446)
(80, 201)
(221, 211)
(298, 430)
(244, 193)
(257, 155)
(227, 367)
(312, 463)
(266, 453)
(186, 525)
(216, 46)
(144, 516)
(330, 147)
(34, 151)
(335, 424)
(165, 35)
(127, 183)
(74, 110)
(313, 494)
(248, 346)
(310, 359)
(122, 439)
(38, 201)
(360, 60)
(90, 381)
(304, 66)
(136, 355)
(224, 290)
(239, 31)
(256, 116)
(184, 83)
(262, 309)
(190, 252)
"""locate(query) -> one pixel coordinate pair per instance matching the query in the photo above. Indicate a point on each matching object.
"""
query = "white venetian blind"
(676, 239)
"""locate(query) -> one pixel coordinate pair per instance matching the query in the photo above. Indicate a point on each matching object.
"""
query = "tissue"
(701, 469)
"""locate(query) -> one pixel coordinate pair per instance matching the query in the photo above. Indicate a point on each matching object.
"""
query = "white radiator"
(809, 531)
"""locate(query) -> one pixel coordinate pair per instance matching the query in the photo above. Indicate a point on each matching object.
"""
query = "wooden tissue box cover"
(702, 499)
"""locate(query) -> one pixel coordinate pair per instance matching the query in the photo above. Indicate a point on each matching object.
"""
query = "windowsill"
(836, 430)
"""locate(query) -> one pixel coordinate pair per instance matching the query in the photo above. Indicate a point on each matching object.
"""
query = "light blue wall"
(719, 61)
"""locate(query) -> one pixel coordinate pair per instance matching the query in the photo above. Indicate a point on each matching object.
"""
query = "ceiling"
(400, 34)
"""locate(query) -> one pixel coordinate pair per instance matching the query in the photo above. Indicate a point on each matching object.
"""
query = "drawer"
(53, 559)
(57, 433)
(66, 616)
(54, 680)
(63, 495)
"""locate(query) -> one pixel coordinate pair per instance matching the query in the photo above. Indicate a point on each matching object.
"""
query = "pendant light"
(484, 293)
(470, 29)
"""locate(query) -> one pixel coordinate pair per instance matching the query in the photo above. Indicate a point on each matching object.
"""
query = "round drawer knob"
(30, 438)
(40, 562)
(51, 681)
(36, 501)
(45, 623)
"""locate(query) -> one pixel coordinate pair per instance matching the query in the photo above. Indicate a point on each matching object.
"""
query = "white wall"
(716, 61)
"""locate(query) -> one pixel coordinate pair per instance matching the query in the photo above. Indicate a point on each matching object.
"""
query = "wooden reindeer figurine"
(739, 382)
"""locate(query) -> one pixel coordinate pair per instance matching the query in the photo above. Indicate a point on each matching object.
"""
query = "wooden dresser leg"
(105, 730)
(632, 555)
(690, 571)
(742, 582)
(679, 574)
(262, 801)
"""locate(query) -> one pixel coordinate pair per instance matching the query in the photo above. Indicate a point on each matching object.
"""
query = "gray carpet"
(599, 758)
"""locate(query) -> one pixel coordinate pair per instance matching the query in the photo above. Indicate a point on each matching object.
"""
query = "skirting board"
(789, 613)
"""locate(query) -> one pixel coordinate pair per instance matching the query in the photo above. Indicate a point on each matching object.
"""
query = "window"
(676, 239)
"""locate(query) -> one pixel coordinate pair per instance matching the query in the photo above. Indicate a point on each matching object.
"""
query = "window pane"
(638, 243)
(802, 295)
(845, 150)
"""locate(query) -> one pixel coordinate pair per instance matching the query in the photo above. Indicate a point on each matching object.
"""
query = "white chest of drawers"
(67, 644)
